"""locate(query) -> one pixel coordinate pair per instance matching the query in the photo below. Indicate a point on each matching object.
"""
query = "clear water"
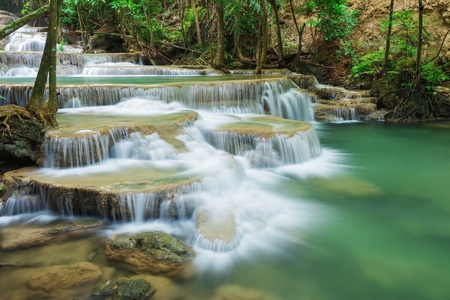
(388, 243)
(383, 231)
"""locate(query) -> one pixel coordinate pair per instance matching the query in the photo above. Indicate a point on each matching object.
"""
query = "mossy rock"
(151, 252)
(124, 289)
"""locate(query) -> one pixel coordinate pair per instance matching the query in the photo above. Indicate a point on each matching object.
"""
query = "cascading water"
(215, 183)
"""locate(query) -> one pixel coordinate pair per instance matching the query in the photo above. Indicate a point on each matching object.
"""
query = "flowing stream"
(330, 211)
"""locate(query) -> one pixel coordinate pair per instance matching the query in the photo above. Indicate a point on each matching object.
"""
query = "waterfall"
(278, 97)
(121, 69)
(269, 152)
(84, 148)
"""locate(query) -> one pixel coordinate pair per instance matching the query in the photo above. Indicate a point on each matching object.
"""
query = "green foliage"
(26, 8)
(403, 51)
(435, 74)
(332, 17)
(62, 43)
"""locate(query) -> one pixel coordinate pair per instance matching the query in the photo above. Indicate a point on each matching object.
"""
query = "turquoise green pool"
(387, 233)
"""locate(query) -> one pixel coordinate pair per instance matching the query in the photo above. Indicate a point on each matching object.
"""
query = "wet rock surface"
(35, 237)
(151, 252)
(69, 226)
(54, 278)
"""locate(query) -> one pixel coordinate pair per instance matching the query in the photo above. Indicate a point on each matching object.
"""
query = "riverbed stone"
(151, 252)
(124, 289)
(166, 288)
(69, 226)
(60, 277)
(12, 239)
(236, 292)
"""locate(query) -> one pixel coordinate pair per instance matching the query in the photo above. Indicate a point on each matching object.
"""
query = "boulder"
(124, 289)
(61, 277)
(151, 252)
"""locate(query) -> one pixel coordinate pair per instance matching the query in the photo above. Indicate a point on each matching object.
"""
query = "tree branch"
(5, 31)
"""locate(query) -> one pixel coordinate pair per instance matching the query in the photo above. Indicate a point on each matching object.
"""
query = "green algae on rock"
(151, 252)
(124, 289)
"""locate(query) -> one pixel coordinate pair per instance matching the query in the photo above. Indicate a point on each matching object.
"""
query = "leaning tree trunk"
(419, 47)
(47, 111)
(279, 37)
(5, 31)
(388, 39)
(220, 54)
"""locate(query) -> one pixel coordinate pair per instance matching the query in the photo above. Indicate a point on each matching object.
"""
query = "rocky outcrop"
(21, 135)
(52, 279)
(151, 252)
(124, 289)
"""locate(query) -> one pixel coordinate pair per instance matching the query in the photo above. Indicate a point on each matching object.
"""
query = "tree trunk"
(83, 40)
(5, 31)
(183, 7)
(150, 28)
(47, 111)
(197, 24)
(419, 47)
(299, 32)
(220, 54)
(263, 42)
(277, 20)
(388, 40)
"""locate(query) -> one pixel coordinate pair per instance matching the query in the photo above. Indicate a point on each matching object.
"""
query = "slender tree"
(220, 54)
(47, 111)
(419, 47)
(388, 39)
(279, 37)
(197, 24)
(261, 54)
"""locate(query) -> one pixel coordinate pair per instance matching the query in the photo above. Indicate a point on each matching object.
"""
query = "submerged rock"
(151, 252)
(54, 278)
(124, 289)
(34, 237)
(69, 226)
(236, 292)
(165, 288)
(348, 186)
